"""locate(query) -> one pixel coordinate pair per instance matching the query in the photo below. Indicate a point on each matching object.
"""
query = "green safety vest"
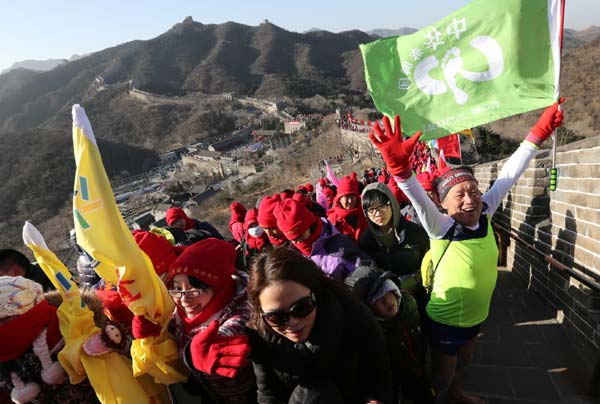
(464, 279)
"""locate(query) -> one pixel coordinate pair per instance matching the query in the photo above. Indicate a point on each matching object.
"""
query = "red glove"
(395, 152)
(551, 119)
(141, 327)
(217, 354)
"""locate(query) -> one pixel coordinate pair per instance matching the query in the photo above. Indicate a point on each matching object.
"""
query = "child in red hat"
(346, 214)
(318, 239)
(267, 220)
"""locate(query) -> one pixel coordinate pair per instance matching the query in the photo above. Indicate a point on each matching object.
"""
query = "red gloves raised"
(395, 152)
(141, 327)
(217, 354)
(551, 119)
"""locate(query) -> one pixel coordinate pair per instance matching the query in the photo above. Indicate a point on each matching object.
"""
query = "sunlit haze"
(59, 29)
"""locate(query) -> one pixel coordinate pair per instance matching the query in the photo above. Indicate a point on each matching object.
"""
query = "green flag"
(489, 60)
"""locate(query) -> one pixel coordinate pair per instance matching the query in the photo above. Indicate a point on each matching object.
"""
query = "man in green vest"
(463, 248)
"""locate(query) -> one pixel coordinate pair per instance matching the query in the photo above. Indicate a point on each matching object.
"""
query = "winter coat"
(201, 225)
(402, 334)
(407, 243)
(236, 223)
(344, 352)
(232, 320)
(335, 253)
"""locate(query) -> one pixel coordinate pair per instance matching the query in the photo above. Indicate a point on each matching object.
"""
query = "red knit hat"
(309, 187)
(251, 217)
(238, 212)
(347, 186)
(426, 179)
(265, 211)
(293, 218)
(328, 192)
(174, 214)
(157, 248)
(303, 199)
(210, 260)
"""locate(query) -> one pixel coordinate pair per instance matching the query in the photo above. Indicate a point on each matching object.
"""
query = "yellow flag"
(469, 133)
(110, 374)
(102, 232)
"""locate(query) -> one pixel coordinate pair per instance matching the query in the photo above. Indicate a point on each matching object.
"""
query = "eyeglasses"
(300, 309)
(190, 293)
(381, 209)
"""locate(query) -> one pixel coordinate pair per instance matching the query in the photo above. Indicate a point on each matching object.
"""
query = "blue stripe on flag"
(63, 281)
(84, 189)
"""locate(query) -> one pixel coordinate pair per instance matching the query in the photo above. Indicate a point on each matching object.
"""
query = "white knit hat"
(387, 286)
(18, 295)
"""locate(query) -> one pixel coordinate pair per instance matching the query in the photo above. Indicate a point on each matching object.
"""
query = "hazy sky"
(52, 29)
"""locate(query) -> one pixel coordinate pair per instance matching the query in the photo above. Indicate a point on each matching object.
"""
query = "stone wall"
(558, 254)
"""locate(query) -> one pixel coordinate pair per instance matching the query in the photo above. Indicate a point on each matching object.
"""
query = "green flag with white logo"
(489, 60)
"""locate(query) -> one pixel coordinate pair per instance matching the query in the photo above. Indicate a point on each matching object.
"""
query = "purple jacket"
(335, 253)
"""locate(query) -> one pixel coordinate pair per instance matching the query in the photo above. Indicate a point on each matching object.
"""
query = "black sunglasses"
(300, 309)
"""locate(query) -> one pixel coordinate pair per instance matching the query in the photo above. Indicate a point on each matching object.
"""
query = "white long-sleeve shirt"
(436, 223)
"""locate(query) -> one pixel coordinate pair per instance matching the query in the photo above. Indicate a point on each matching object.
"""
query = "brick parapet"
(563, 225)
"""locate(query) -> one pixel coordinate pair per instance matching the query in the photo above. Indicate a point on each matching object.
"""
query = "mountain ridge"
(189, 60)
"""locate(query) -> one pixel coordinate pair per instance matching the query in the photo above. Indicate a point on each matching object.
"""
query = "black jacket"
(345, 352)
(400, 251)
(406, 254)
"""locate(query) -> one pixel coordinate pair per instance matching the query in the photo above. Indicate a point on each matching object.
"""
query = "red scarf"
(218, 302)
(341, 215)
(305, 247)
(18, 334)
(277, 241)
(257, 243)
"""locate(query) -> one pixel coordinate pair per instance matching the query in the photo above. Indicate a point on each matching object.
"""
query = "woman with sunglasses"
(312, 342)
(395, 244)
(209, 320)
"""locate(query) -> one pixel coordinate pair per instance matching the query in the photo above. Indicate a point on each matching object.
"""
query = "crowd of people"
(348, 290)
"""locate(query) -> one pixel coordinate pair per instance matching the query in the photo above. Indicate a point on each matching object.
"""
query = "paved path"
(526, 356)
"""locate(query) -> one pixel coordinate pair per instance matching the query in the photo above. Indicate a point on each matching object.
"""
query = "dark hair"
(195, 235)
(372, 197)
(10, 258)
(197, 283)
(284, 264)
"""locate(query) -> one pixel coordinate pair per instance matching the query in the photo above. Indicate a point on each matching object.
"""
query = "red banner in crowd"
(450, 145)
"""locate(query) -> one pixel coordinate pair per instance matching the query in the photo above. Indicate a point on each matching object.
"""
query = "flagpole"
(459, 148)
(554, 169)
